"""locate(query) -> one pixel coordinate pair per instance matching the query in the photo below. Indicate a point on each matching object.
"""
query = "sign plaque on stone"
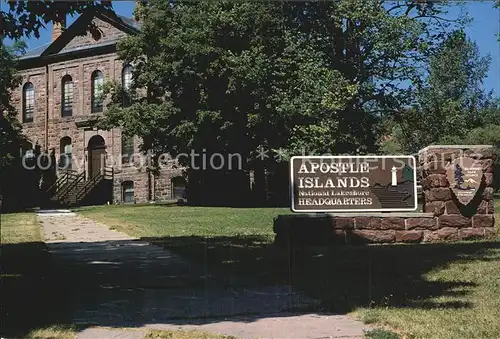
(464, 176)
(353, 183)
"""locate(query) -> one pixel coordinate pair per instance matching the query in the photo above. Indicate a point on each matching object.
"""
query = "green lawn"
(179, 221)
(32, 305)
(30, 296)
(424, 291)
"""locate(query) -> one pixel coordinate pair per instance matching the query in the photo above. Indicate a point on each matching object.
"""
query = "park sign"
(353, 183)
(464, 175)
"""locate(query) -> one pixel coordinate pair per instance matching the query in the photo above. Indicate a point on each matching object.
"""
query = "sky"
(485, 24)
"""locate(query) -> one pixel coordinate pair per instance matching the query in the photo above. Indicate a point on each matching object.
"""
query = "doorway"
(97, 155)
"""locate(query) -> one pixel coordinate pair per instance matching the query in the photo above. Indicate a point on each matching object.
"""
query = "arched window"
(128, 191)
(28, 102)
(127, 148)
(127, 77)
(97, 82)
(126, 84)
(65, 152)
(178, 188)
(66, 96)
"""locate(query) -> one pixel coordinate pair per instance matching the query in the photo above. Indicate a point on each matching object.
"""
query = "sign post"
(353, 184)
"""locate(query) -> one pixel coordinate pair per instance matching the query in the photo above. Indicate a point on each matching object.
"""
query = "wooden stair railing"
(62, 195)
(105, 174)
(60, 182)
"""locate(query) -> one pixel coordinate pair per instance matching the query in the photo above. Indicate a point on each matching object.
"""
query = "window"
(65, 153)
(126, 84)
(128, 191)
(178, 188)
(127, 148)
(28, 102)
(97, 100)
(67, 96)
(127, 77)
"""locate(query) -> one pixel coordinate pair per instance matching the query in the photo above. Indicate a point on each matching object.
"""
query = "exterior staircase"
(73, 189)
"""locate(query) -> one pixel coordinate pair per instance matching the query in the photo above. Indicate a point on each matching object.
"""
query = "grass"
(477, 319)
(379, 333)
(178, 221)
(26, 287)
(53, 332)
(156, 334)
(470, 308)
(420, 291)
(20, 228)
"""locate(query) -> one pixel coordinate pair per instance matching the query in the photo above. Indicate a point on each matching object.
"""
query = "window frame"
(28, 110)
(126, 84)
(175, 187)
(97, 104)
(126, 190)
(127, 145)
(67, 96)
(65, 158)
(127, 77)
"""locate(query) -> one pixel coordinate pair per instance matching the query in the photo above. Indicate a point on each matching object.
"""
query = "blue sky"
(486, 22)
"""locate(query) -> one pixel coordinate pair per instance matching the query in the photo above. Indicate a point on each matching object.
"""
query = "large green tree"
(12, 140)
(10, 129)
(19, 19)
(14, 167)
(234, 76)
(451, 101)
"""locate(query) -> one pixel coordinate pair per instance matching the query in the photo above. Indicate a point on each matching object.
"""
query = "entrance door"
(97, 161)
(97, 155)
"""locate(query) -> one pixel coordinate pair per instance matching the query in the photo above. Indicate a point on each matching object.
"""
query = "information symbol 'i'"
(394, 177)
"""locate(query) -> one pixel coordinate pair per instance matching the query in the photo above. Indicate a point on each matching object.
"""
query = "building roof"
(129, 21)
(35, 52)
(54, 47)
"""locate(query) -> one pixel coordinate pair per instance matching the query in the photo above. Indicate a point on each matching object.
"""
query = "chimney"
(58, 29)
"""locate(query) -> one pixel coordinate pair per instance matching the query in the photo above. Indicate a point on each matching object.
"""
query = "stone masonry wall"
(108, 32)
(49, 127)
(456, 220)
(163, 183)
(444, 217)
(34, 130)
(354, 228)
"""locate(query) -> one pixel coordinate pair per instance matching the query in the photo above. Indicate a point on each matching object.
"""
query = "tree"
(15, 168)
(459, 180)
(11, 138)
(26, 18)
(10, 129)
(237, 75)
(451, 101)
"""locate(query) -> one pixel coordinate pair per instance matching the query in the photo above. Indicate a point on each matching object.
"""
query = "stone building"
(60, 97)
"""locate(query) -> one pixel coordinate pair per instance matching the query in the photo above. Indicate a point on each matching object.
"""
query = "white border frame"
(415, 197)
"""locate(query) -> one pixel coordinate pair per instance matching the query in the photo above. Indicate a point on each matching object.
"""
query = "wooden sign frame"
(383, 175)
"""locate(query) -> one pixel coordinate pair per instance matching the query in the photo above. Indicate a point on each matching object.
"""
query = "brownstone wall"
(310, 229)
(141, 184)
(163, 183)
(355, 228)
(445, 218)
(109, 32)
(34, 130)
(456, 220)
(48, 126)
